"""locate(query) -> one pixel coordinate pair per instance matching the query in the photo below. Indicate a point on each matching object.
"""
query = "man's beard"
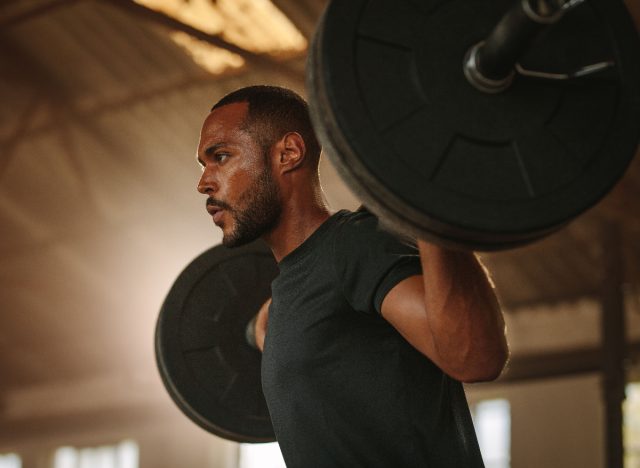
(257, 213)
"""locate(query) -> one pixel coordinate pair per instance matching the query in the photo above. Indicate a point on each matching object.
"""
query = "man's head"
(273, 112)
(252, 139)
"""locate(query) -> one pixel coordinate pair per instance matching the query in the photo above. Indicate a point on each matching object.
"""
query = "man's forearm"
(463, 313)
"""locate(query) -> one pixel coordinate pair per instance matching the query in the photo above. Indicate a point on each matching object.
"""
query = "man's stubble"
(258, 211)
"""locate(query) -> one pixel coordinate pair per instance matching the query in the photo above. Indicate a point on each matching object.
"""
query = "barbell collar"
(490, 65)
(478, 79)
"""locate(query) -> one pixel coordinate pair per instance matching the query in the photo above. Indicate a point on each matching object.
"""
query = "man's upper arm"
(404, 308)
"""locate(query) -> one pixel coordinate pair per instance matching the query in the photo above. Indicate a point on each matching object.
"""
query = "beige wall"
(554, 423)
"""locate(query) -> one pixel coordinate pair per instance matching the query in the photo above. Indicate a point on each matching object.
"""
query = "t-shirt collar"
(310, 242)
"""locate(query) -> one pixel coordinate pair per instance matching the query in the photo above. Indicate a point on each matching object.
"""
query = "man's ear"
(291, 152)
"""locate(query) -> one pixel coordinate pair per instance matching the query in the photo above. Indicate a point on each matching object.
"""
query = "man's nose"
(207, 184)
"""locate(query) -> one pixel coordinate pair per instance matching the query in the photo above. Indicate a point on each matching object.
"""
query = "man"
(367, 338)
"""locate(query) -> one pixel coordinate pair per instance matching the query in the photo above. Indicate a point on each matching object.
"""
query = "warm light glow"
(261, 456)
(123, 455)
(10, 460)
(632, 426)
(255, 25)
(492, 421)
(65, 457)
(210, 58)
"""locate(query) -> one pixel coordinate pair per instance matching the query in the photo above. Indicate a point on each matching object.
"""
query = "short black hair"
(274, 111)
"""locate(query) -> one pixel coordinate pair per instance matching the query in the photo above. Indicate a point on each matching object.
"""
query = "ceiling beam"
(259, 60)
(35, 12)
(22, 126)
(559, 364)
(80, 112)
(548, 300)
(93, 110)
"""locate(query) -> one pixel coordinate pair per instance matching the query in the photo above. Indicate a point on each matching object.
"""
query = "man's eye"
(220, 157)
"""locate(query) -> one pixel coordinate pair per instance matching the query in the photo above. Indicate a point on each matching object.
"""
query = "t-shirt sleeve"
(371, 261)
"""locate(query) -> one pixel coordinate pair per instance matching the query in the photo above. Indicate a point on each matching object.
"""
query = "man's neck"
(296, 224)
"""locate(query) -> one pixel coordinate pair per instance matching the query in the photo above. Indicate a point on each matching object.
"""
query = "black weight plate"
(434, 156)
(208, 368)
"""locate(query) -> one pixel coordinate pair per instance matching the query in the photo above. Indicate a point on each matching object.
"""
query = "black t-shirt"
(343, 388)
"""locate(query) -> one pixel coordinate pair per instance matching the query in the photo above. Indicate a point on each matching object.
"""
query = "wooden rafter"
(8, 147)
(260, 60)
(96, 109)
(558, 364)
(70, 148)
(34, 12)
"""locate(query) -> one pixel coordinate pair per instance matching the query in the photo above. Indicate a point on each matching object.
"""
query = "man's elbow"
(484, 374)
(486, 371)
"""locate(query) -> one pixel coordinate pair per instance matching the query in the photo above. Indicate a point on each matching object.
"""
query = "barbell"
(482, 124)
(478, 144)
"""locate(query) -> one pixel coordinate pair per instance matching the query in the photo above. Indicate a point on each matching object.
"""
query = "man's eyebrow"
(212, 149)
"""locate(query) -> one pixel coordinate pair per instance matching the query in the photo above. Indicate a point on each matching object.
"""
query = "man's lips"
(216, 212)
(217, 216)
(216, 209)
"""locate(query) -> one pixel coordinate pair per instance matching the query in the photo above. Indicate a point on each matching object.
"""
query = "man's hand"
(261, 324)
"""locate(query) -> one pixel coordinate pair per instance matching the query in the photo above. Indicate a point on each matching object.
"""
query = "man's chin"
(232, 241)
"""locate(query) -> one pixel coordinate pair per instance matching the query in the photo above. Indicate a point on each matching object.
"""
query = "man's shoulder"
(359, 219)
(362, 226)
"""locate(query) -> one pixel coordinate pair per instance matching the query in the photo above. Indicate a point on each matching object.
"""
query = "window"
(631, 429)
(122, 455)
(492, 420)
(10, 460)
(261, 456)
